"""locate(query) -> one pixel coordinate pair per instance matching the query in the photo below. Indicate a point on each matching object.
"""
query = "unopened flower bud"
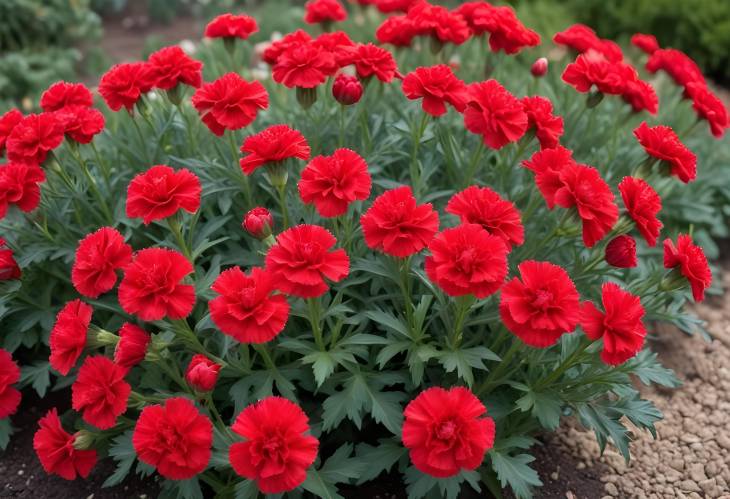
(306, 97)
(258, 222)
(539, 67)
(621, 252)
(347, 89)
(202, 373)
(83, 440)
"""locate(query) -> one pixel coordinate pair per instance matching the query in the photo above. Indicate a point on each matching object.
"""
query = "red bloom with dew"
(9, 376)
(202, 373)
(258, 222)
(324, 11)
(68, 336)
(541, 306)
(160, 192)
(661, 142)
(304, 65)
(8, 122)
(547, 165)
(643, 204)
(34, 137)
(447, 431)
(645, 43)
(436, 86)
(467, 260)
(9, 269)
(171, 67)
(247, 307)
(175, 438)
(692, 263)
(230, 102)
(396, 225)
(495, 114)
(124, 84)
(277, 449)
(62, 94)
(483, 206)
(620, 324)
(585, 190)
(333, 182)
(272, 145)
(152, 287)
(231, 26)
(20, 186)
(80, 123)
(303, 260)
(132, 345)
(100, 393)
(55, 449)
(98, 257)
(621, 252)
(548, 127)
(371, 60)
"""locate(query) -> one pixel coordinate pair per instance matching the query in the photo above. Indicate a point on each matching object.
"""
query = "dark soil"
(561, 477)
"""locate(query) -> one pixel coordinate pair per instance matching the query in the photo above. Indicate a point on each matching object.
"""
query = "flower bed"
(361, 261)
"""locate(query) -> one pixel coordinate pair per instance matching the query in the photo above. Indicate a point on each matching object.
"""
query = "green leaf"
(389, 322)
(418, 484)
(6, 430)
(37, 375)
(340, 467)
(246, 489)
(546, 407)
(605, 425)
(122, 451)
(513, 471)
(378, 459)
(319, 486)
(647, 368)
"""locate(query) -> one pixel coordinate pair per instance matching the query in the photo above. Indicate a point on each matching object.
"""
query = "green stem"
(404, 265)
(564, 366)
(263, 351)
(104, 166)
(281, 191)
(341, 138)
(92, 185)
(473, 164)
(176, 229)
(142, 140)
(463, 305)
(234, 160)
(415, 167)
(315, 319)
(492, 379)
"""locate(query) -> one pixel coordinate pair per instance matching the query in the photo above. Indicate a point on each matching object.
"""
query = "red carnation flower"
(132, 345)
(152, 285)
(175, 438)
(331, 183)
(547, 165)
(542, 306)
(642, 203)
(124, 84)
(277, 450)
(339, 44)
(592, 68)
(20, 186)
(708, 106)
(692, 264)
(56, 451)
(9, 375)
(324, 11)
(100, 393)
(371, 60)
(247, 308)
(160, 192)
(548, 127)
(447, 431)
(483, 206)
(172, 66)
(397, 31)
(645, 43)
(506, 31)
(437, 86)
(387, 6)
(678, 65)
(439, 23)
(397, 226)
(304, 65)
(8, 266)
(230, 102)
(585, 190)
(81, 124)
(620, 325)
(472, 12)
(621, 252)
(68, 336)
(662, 143)
(581, 38)
(8, 121)
(347, 89)
(303, 257)
(467, 260)
(258, 222)
(272, 145)
(62, 94)
(640, 94)
(231, 26)
(98, 257)
(202, 373)
(495, 114)
(34, 137)
(274, 51)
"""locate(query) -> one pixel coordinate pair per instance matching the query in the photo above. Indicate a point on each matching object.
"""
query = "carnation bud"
(202, 373)
(104, 337)
(539, 67)
(258, 222)
(621, 252)
(83, 440)
(306, 96)
(132, 345)
(347, 89)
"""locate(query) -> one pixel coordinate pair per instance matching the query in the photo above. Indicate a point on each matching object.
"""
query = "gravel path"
(691, 456)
